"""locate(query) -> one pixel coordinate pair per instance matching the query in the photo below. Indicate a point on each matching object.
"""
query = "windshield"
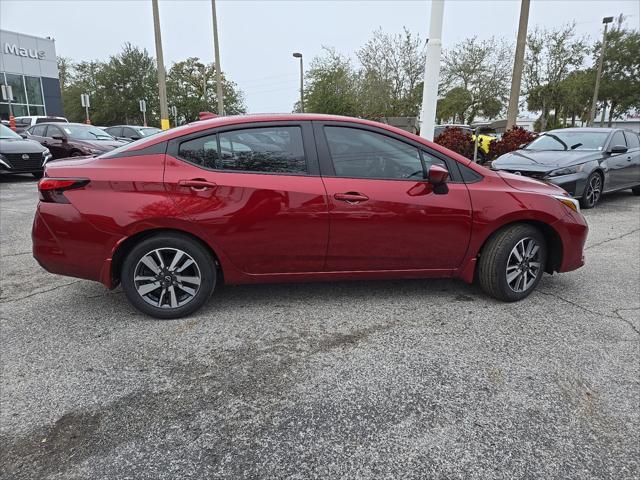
(147, 132)
(6, 132)
(85, 132)
(559, 140)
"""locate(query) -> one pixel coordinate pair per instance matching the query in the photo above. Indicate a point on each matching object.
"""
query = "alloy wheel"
(593, 189)
(523, 265)
(167, 278)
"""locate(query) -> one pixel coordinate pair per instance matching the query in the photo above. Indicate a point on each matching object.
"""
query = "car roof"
(584, 129)
(203, 125)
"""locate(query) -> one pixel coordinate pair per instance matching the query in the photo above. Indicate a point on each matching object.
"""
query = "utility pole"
(162, 86)
(518, 64)
(432, 71)
(592, 113)
(299, 55)
(216, 47)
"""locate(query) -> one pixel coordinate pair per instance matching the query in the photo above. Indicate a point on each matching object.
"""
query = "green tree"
(620, 82)
(453, 105)
(550, 57)
(331, 85)
(191, 87)
(482, 69)
(391, 74)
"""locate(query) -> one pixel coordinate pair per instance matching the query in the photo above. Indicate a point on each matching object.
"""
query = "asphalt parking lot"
(392, 379)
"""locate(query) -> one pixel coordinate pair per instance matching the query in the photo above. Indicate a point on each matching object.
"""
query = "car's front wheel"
(592, 191)
(168, 276)
(512, 262)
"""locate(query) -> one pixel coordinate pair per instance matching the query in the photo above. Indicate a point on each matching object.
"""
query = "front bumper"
(574, 183)
(573, 231)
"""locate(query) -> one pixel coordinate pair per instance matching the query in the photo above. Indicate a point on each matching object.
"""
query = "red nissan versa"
(287, 198)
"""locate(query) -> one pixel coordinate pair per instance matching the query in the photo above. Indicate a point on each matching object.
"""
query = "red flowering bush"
(456, 139)
(510, 141)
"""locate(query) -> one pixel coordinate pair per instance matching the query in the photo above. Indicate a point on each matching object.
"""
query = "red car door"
(256, 192)
(383, 214)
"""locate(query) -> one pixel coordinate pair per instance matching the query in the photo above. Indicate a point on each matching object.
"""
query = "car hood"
(527, 184)
(104, 145)
(542, 160)
(20, 145)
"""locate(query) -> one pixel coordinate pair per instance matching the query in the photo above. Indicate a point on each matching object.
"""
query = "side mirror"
(438, 177)
(23, 135)
(135, 137)
(618, 149)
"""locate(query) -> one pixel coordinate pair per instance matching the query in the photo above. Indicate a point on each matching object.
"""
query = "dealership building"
(28, 64)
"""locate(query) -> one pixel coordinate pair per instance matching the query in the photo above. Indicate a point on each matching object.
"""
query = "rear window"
(51, 119)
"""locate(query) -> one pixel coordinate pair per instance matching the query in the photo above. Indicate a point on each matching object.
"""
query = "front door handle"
(197, 184)
(351, 197)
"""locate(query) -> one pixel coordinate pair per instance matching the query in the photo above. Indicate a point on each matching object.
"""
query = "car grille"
(15, 161)
(538, 175)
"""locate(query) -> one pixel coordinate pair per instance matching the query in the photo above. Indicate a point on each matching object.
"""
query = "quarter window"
(269, 150)
(360, 153)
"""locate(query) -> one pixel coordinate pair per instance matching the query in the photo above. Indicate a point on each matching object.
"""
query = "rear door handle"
(351, 197)
(197, 184)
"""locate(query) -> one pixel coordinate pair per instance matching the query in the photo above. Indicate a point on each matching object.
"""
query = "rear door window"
(129, 132)
(276, 149)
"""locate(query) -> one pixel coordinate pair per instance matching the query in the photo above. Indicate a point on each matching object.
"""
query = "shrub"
(456, 139)
(510, 141)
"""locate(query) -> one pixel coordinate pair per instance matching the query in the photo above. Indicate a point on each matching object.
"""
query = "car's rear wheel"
(512, 262)
(168, 276)
(592, 191)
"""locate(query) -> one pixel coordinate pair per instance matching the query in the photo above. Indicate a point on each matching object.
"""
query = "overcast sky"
(258, 37)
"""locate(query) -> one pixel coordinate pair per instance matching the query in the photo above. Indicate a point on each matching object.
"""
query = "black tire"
(636, 190)
(205, 267)
(37, 175)
(492, 264)
(590, 197)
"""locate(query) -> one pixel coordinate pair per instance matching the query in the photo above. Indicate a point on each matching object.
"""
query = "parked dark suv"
(72, 139)
(129, 133)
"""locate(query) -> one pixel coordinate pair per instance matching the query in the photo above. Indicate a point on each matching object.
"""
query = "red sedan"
(287, 198)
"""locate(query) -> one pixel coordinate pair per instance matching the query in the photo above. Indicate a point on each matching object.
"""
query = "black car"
(18, 155)
(586, 162)
(129, 133)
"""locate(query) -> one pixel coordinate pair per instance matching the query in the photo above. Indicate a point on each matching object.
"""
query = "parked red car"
(294, 198)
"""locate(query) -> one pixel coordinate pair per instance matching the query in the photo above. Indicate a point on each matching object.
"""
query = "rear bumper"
(66, 244)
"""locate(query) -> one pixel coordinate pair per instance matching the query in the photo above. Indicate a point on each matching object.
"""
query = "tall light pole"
(216, 47)
(162, 86)
(518, 63)
(592, 113)
(299, 55)
(432, 71)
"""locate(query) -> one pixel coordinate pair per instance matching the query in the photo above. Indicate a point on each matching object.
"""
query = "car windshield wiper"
(555, 137)
(573, 147)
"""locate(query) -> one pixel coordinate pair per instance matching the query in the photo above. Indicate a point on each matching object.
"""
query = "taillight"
(52, 189)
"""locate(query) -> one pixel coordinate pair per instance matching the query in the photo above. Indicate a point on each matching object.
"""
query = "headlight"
(569, 202)
(565, 171)
(95, 151)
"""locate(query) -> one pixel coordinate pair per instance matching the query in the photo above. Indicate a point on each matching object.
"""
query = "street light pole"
(299, 55)
(162, 86)
(592, 113)
(518, 64)
(216, 47)
(432, 71)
